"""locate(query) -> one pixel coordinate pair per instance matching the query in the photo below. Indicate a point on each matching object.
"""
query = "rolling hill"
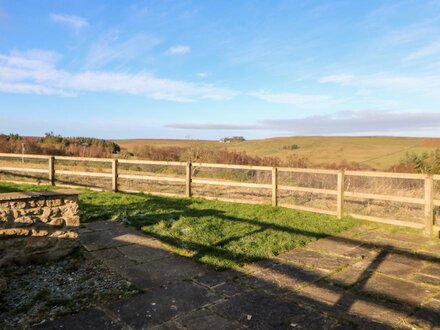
(376, 151)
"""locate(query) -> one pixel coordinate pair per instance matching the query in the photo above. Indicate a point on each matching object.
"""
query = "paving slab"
(90, 319)
(340, 246)
(206, 319)
(375, 315)
(213, 278)
(143, 253)
(119, 264)
(428, 316)
(432, 270)
(370, 235)
(405, 292)
(349, 276)
(362, 279)
(111, 253)
(345, 304)
(408, 238)
(99, 240)
(281, 279)
(161, 304)
(312, 259)
(257, 310)
(138, 238)
(398, 245)
(169, 270)
(399, 264)
(170, 325)
(426, 279)
(232, 288)
(320, 295)
(102, 225)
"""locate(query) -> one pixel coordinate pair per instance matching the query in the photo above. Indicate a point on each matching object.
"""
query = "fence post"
(52, 170)
(115, 175)
(188, 179)
(274, 186)
(429, 205)
(340, 195)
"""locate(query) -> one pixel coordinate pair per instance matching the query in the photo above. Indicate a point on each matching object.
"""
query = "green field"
(219, 234)
(377, 152)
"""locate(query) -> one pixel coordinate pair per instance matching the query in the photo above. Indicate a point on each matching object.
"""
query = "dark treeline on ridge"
(52, 144)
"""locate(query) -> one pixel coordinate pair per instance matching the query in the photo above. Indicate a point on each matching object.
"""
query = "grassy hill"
(376, 151)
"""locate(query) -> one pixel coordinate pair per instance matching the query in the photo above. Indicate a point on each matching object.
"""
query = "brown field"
(377, 152)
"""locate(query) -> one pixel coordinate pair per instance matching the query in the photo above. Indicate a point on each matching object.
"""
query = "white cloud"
(342, 79)
(424, 83)
(36, 73)
(179, 50)
(23, 88)
(427, 51)
(72, 21)
(296, 99)
(34, 63)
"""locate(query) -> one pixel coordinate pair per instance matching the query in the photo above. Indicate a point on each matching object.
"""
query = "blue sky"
(207, 69)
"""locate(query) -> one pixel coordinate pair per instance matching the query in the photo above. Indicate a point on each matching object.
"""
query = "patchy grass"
(222, 235)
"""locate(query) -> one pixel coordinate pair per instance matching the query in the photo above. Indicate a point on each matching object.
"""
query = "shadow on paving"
(171, 209)
(366, 279)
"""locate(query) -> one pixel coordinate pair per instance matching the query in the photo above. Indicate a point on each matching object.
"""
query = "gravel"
(40, 292)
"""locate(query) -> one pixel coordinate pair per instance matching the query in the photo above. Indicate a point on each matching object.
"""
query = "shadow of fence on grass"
(281, 279)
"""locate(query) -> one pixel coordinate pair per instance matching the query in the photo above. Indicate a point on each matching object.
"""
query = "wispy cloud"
(426, 83)
(344, 122)
(202, 74)
(432, 49)
(179, 50)
(349, 122)
(110, 48)
(72, 21)
(297, 99)
(337, 78)
(20, 71)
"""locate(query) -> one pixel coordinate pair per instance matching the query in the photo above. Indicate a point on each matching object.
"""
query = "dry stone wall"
(38, 226)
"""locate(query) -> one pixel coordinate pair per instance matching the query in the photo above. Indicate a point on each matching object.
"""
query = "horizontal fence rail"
(340, 192)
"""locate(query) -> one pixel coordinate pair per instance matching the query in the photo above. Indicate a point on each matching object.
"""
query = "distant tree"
(233, 139)
(291, 147)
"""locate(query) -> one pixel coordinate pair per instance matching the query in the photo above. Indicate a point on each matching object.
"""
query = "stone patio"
(365, 278)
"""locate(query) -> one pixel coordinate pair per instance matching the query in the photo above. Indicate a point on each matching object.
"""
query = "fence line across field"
(341, 194)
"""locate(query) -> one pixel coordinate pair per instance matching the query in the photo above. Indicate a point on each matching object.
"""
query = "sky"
(208, 69)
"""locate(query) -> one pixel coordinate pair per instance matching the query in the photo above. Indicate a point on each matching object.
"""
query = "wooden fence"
(428, 202)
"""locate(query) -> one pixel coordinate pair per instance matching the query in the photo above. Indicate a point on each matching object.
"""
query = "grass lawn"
(220, 234)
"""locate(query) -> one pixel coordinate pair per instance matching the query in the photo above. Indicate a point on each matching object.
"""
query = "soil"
(37, 293)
